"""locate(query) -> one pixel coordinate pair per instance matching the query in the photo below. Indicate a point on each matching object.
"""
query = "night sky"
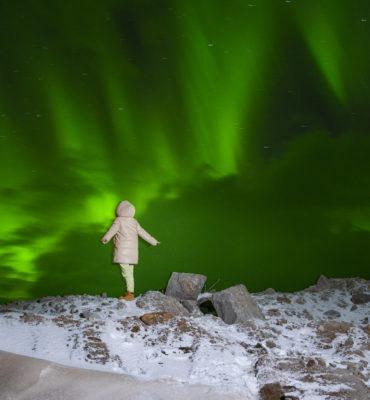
(238, 129)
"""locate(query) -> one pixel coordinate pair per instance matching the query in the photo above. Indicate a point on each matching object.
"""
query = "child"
(125, 231)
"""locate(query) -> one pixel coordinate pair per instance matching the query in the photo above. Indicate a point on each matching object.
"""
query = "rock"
(155, 318)
(311, 363)
(192, 307)
(120, 305)
(104, 295)
(184, 286)
(307, 315)
(327, 330)
(320, 362)
(91, 315)
(235, 305)
(360, 298)
(350, 386)
(157, 301)
(273, 312)
(271, 391)
(342, 304)
(331, 314)
(323, 282)
(268, 291)
(284, 299)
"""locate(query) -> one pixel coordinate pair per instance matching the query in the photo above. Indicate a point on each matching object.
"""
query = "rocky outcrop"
(186, 288)
(236, 305)
(157, 301)
(335, 383)
(232, 305)
(323, 283)
(193, 307)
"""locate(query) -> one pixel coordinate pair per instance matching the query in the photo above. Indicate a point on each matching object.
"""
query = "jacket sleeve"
(111, 231)
(145, 235)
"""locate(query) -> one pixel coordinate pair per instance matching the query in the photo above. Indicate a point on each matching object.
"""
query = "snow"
(310, 353)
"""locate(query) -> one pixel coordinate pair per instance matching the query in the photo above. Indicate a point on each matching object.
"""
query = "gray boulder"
(235, 305)
(157, 301)
(184, 286)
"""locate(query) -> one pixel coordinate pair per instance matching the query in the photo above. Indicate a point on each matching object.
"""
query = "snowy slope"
(28, 378)
(314, 343)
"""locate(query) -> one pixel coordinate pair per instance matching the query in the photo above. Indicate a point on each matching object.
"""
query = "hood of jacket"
(125, 209)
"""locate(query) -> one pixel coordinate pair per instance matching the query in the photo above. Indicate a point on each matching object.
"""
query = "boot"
(128, 296)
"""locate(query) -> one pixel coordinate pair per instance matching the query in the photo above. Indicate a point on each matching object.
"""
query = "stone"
(235, 305)
(192, 307)
(156, 318)
(311, 363)
(271, 391)
(273, 312)
(284, 299)
(331, 314)
(89, 315)
(360, 298)
(157, 301)
(120, 305)
(185, 286)
(323, 282)
(268, 291)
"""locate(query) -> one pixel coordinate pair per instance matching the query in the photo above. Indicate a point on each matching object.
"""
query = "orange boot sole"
(128, 296)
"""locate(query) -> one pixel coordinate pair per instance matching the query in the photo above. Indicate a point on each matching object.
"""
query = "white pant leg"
(127, 271)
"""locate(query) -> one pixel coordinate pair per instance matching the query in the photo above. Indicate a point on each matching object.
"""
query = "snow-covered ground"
(314, 344)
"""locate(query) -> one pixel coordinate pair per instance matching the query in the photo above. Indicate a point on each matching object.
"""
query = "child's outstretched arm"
(145, 235)
(111, 232)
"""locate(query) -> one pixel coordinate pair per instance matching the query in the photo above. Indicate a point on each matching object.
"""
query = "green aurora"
(239, 130)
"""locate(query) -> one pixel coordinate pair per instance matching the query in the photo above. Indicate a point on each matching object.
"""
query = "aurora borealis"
(239, 130)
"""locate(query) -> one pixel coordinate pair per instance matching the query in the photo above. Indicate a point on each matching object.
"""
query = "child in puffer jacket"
(125, 231)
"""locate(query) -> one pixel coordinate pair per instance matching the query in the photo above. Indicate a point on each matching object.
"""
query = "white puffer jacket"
(125, 231)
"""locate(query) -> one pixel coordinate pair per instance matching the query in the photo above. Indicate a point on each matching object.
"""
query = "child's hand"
(104, 241)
